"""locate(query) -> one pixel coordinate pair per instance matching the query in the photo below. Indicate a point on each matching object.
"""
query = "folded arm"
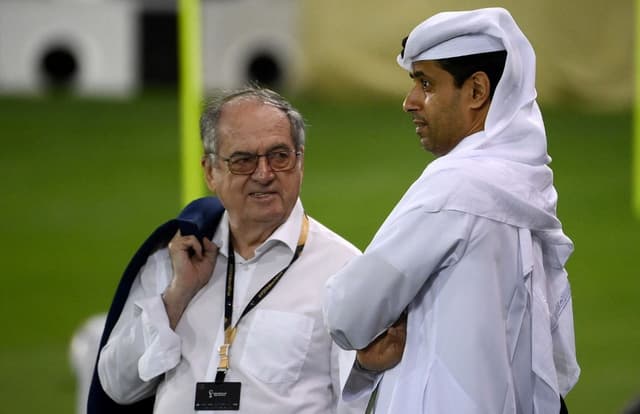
(370, 293)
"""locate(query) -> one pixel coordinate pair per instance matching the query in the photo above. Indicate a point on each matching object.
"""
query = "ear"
(209, 173)
(302, 158)
(479, 90)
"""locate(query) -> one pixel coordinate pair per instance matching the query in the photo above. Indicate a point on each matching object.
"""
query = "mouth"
(261, 194)
(420, 127)
(419, 123)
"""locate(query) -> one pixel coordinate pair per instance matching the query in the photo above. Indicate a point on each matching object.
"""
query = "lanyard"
(229, 331)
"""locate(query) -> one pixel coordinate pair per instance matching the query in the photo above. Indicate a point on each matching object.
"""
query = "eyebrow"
(417, 74)
(277, 147)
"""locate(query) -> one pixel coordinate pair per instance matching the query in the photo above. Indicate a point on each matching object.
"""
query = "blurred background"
(89, 126)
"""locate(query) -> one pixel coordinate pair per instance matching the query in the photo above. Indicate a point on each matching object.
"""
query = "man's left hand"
(386, 350)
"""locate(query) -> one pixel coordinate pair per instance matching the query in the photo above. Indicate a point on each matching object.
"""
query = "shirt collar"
(286, 234)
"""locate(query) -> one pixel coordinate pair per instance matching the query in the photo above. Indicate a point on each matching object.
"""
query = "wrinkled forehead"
(253, 122)
(242, 110)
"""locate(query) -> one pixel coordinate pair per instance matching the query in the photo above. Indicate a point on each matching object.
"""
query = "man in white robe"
(473, 252)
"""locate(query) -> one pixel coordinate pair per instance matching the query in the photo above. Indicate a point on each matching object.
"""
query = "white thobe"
(475, 251)
(468, 283)
(282, 354)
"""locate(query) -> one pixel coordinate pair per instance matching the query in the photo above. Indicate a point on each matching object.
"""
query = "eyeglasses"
(246, 163)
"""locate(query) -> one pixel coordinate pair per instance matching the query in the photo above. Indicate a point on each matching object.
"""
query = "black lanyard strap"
(230, 332)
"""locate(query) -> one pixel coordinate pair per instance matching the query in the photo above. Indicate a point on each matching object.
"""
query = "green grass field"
(84, 182)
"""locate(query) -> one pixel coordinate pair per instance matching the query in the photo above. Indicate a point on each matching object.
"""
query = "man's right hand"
(193, 265)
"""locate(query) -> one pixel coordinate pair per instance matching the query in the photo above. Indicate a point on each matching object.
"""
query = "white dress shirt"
(282, 354)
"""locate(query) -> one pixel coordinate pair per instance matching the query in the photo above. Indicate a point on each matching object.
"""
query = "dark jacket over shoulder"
(200, 218)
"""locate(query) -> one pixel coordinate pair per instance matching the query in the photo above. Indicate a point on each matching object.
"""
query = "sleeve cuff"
(162, 344)
(361, 382)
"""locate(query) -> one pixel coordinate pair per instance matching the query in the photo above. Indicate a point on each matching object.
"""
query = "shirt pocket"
(277, 345)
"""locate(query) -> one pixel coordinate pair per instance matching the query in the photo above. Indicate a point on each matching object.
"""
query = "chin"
(269, 215)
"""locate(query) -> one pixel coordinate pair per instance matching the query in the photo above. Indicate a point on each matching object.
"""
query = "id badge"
(213, 396)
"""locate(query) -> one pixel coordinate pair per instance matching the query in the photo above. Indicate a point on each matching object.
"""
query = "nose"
(263, 171)
(413, 100)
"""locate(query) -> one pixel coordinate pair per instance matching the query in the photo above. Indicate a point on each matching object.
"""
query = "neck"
(480, 117)
(246, 239)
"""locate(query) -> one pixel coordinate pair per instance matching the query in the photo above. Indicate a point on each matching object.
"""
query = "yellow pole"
(635, 154)
(191, 97)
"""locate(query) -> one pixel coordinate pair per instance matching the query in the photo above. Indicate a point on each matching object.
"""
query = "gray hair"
(213, 110)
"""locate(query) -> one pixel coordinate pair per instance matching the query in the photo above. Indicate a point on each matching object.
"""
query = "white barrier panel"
(250, 39)
(99, 37)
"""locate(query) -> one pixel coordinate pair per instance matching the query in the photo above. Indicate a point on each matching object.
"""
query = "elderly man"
(473, 252)
(235, 323)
